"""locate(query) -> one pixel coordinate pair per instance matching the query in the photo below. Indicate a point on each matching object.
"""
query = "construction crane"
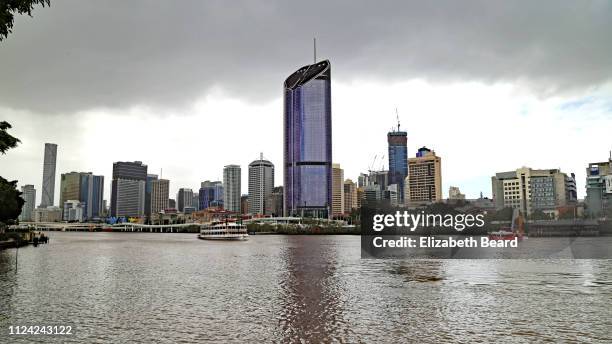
(372, 164)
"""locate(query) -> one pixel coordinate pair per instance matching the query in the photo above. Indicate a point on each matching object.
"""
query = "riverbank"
(301, 229)
(20, 239)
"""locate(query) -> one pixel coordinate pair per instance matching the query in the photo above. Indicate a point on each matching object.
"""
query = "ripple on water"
(142, 288)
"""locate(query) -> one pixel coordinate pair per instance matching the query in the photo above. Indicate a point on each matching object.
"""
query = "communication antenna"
(398, 122)
(314, 45)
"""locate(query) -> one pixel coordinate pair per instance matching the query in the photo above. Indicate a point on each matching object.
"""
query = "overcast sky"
(191, 86)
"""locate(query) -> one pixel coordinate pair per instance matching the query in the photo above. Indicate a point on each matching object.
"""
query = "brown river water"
(173, 288)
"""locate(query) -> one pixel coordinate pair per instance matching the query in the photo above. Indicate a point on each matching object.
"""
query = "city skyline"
(446, 93)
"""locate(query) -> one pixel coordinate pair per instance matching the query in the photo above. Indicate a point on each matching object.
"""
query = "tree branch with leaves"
(7, 141)
(8, 9)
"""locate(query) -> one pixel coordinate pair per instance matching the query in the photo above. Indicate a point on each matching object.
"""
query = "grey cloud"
(82, 54)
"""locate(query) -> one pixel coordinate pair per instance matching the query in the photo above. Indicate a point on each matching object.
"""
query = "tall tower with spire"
(307, 141)
(398, 158)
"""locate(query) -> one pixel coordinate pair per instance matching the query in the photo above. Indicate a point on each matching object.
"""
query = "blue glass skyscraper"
(308, 141)
(398, 159)
(210, 195)
(91, 195)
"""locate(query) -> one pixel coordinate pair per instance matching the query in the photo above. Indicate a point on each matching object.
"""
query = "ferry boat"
(516, 231)
(504, 234)
(223, 231)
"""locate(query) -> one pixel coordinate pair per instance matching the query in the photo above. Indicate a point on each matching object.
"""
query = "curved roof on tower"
(261, 162)
(307, 73)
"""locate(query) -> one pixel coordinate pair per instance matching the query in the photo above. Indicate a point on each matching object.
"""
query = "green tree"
(6, 140)
(8, 8)
(567, 215)
(538, 214)
(10, 198)
(10, 202)
(504, 214)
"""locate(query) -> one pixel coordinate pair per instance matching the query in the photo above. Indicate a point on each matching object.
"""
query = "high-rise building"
(160, 194)
(372, 194)
(231, 191)
(128, 189)
(148, 193)
(95, 196)
(398, 159)
(244, 204)
(528, 190)
(195, 201)
(184, 197)
(261, 184)
(362, 180)
(210, 194)
(70, 186)
(361, 196)
(92, 195)
(598, 200)
(424, 178)
(28, 193)
(171, 203)
(48, 182)
(379, 178)
(86, 188)
(274, 205)
(308, 141)
(337, 207)
(350, 196)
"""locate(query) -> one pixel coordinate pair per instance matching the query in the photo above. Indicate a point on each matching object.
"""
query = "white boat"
(223, 231)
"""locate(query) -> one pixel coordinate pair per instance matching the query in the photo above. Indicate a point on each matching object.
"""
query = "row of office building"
(145, 195)
(137, 194)
(552, 191)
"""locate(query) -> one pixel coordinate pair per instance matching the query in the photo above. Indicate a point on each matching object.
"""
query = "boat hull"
(224, 238)
(504, 236)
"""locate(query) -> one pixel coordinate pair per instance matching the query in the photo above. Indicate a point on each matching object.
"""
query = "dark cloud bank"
(82, 54)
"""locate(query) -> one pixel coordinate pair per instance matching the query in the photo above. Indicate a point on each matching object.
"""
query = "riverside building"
(261, 185)
(231, 191)
(529, 190)
(337, 190)
(424, 178)
(598, 200)
(87, 189)
(398, 160)
(28, 193)
(128, 189)
(308, 141)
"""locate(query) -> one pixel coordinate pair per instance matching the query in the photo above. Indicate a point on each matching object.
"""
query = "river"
(173, 288)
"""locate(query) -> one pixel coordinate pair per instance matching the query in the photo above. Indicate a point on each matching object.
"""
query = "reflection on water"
(312, 295)
(143, 288)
